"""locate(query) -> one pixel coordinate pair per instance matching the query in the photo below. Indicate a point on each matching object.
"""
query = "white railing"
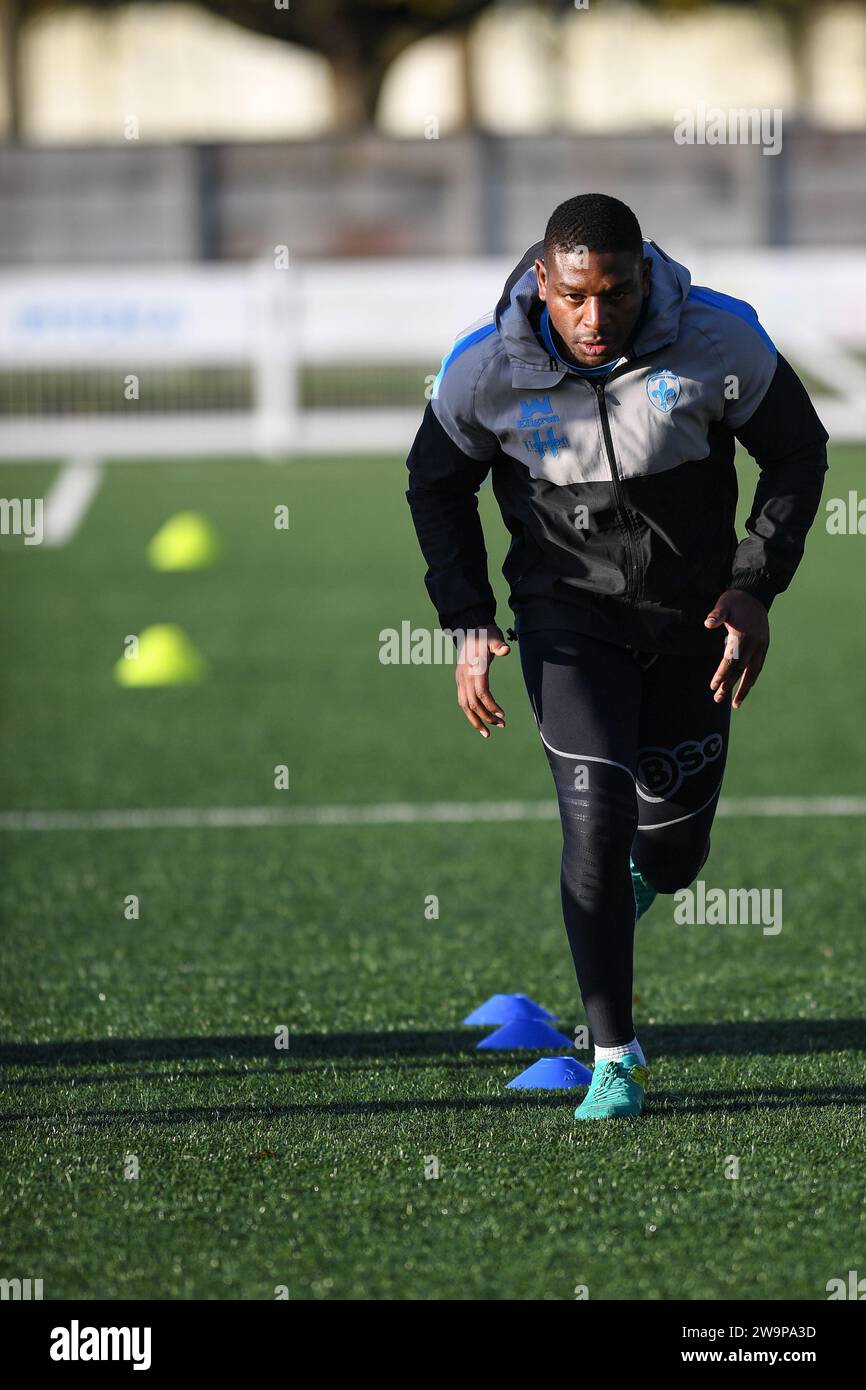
(270, 323)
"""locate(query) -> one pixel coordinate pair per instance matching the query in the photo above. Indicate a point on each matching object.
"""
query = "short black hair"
(593, 221)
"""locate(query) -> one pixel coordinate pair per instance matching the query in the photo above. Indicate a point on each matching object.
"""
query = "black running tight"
(637, 747)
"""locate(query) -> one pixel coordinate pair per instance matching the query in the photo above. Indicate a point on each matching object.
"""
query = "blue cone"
(502, 1008)
(552, 1074)
(526, 1032)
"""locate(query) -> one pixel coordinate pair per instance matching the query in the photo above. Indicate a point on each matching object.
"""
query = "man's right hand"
(477, 648)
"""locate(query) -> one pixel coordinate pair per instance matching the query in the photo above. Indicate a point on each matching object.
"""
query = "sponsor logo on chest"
(535, 414)
(547, 434)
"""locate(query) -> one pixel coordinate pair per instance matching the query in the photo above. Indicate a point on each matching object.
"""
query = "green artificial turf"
(153, 1038)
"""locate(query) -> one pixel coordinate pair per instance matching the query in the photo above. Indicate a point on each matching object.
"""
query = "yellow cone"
(187, 541)
(165, 656)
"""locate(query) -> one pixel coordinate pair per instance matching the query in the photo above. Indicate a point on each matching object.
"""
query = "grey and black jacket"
(620, 492)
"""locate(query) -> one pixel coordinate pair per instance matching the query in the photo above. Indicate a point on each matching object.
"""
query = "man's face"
(594, 299)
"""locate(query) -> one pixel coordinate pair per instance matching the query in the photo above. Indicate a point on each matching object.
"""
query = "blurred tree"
(360, 38)
(10, 29)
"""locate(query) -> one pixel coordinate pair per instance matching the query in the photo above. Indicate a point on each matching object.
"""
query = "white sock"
(611, 1054)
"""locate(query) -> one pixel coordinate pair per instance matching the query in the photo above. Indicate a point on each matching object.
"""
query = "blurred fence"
(366, 195)
(335, 357)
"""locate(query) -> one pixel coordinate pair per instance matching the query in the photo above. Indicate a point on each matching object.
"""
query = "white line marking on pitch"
(66, 505)
(387, 813)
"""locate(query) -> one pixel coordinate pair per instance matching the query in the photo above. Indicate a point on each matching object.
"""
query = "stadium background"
(233, 255)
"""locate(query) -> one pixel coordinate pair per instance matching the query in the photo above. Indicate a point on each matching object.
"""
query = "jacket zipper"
(631, 554)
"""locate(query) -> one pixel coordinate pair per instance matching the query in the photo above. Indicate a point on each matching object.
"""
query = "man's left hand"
(748, 626)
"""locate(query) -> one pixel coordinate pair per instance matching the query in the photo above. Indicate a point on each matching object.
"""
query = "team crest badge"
(663, 389)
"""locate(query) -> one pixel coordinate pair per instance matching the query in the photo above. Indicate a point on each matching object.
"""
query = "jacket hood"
(669, 287)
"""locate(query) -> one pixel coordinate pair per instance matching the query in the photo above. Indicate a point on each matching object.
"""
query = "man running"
(606, 393)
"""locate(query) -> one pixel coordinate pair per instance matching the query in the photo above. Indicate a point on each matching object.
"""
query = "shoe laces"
(612, 1072)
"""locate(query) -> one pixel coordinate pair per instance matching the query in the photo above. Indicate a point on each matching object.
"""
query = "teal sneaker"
(644, 896)
(618, 1089)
